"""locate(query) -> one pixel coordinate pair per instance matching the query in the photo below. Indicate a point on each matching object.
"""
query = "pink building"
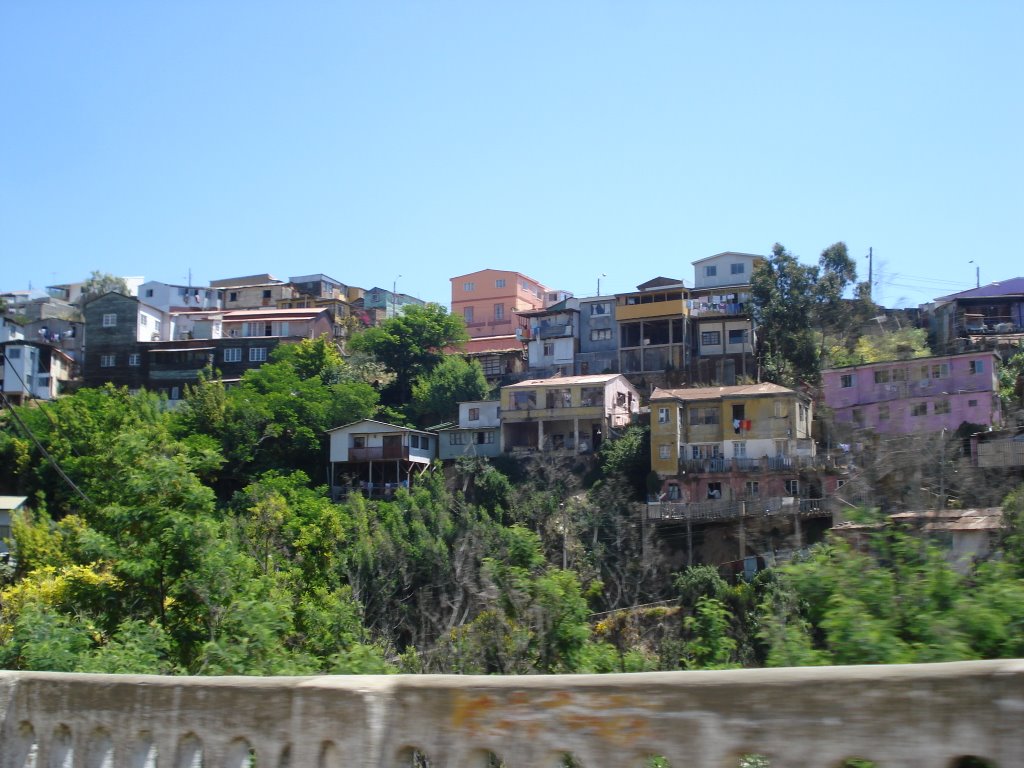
(926, 394)
(490, 302)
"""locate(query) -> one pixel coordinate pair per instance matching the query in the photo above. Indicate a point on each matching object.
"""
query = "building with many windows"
(925, 394)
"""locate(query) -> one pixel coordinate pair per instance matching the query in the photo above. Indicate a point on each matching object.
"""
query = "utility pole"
(977, 274)
(871, 264)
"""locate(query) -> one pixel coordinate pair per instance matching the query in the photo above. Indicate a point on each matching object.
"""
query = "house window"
(175, 394)
(499, 311)
(703, 416)
(710, 338)
(753, 487)
(936, 371)
(13, 353)
(737, 269)
(468, 287)
(711, 271)
(257, 354)
(108, 361)
(792, 487)
(233, 355)
(474, 414)
(266, 294)
(858, 417)
(358, 441)
(600, 334)
(600, 308)
(899, 374)
(714, 490)
(149, 293)
(705, 451)
(483, 438)
(972, 403)
(549, 349)
(456, 438)
(941, 406)
(425, 443)
(664, 451)
(977, 366)
(591, 396)
(738, 336)
(883, 412)
(467, 314)
(882, 376)
(156, 326)
(499, 283)
(135, 359)
(143, 320)
(739, 449)
(919, 409)
(663, 415)
(414, 441)
(778, 405)
(109, 319)
(846, 380)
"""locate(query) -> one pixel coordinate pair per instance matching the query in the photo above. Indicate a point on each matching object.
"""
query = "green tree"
(784, 303)
(411, 344)
(436, 394)
(99, 283)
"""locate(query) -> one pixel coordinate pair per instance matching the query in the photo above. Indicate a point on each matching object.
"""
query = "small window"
(600, 308)
(149, 293)
(108, 361)
(455, 438)
(156, 326)
(711, 271)
(143, 320)
(499, 311)
(135, 359)
(778, 407)
(846, 380)
(941, 406)
(175, 394)
(467, 314)
(499, 283)
(858, 417)
(474, 414)
(663, 415)
(972, 403)
(414, 441)
(882, 376)
(738, 336)
(710, 338)
(739, 449)
(358, 441)
(469, 287)
(425, 443)
(233, 355)
(883, 412)
(13, 353)
(792, 487)
(233, 296)
(664, 451)
(109, 319)
(266, 293)
(737, 269)
(257, 354)
(600, 334)
(549, 349)
(977, 366)
(919, 409)
(753, 487)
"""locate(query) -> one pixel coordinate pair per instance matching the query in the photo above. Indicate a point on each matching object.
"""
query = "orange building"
(490, 302)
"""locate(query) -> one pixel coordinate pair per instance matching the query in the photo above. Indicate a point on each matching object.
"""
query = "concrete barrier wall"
(913, 715)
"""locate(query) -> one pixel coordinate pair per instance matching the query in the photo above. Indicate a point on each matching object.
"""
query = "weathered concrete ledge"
(909, 715)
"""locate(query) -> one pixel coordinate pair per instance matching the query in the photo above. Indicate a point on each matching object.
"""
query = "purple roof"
(1012, 287)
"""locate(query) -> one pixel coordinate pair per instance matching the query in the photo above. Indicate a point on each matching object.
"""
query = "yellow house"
(566, 413)
(728, 429)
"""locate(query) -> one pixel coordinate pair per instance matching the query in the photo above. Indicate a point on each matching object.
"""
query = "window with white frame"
(710, 271)
(548, 349)
(109, 319)
(600, 308)
(499, 311)
(792, 487)
(600, 334)
(156, 326)
(846, 380)
(738, 269)
(134, 359)
(753, 489)
(108, 361)
(484, 438)
(456, 438)
(257, 354)
(499, 283)
(143, 320)
(663, 415)
(474, 414)
(739, 449)
(664, 451)
(977, 366)
(710, 338)
(233, 355)
(469, 287)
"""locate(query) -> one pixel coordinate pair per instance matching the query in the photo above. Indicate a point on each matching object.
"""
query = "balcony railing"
(722, 465)
(732, 509)
(378, 452)
(816, 717)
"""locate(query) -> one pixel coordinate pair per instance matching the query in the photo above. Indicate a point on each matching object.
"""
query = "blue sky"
(411, 142)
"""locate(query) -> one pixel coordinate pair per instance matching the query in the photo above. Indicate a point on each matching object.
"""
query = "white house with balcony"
(33, 370)
(378, 458)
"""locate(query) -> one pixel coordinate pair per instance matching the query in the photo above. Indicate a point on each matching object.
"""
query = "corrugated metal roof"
(1012, 287)
(709, 393)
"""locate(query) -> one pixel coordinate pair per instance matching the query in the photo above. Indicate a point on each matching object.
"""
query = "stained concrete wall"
(920, 715)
